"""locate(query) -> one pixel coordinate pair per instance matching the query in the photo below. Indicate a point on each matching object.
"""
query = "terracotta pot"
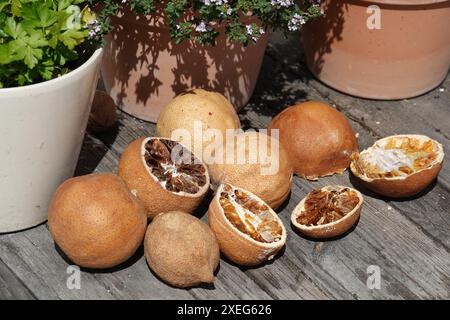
(143, 69)
(408, 56)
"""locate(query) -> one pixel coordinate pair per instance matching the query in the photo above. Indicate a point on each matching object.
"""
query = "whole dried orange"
(318, 139)
(197, 108)
(96, 220)
(181, 249)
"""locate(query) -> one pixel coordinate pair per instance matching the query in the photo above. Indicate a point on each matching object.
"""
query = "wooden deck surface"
(408, 240)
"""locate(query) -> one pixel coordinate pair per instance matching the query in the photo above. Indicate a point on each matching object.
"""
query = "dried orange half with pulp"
(165, 175)
(399, 166)
(248, 230)
(327, 212)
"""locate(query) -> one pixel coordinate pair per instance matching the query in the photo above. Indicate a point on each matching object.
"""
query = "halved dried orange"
(400, 165)
(327, 212)
(248, 230)
(165, 175)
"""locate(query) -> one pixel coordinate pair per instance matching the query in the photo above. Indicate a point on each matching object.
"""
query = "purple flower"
(215, 2)
(254, 34)
(282, 3)
(296, 21)
(94, 29)
(203, 26)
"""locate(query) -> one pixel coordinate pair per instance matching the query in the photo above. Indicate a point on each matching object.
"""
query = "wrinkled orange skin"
(318, 138)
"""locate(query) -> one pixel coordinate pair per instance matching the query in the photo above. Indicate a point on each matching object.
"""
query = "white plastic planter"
(41, 128)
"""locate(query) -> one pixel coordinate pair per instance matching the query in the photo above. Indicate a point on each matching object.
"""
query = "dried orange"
(181, 249)
(165, 175)
(328, 212)
(96, 220)
(248, 230)
(258, 163)
(318, 139)
(209, 110)
(399, 166)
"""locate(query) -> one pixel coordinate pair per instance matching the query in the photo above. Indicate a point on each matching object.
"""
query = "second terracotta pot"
(143, 69)
(409, 54)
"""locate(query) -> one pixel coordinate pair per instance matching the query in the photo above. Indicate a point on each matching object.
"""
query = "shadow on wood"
(126, 264)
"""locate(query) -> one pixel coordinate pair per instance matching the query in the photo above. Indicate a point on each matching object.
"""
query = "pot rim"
(76, 73)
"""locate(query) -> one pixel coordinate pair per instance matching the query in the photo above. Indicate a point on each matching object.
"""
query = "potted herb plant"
(49, 64)
(380, 49)
(158, 49)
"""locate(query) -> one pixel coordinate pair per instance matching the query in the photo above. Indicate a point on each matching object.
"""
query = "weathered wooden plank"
(11, 287)
(408, 240)
(33, 256)
(46, 272)
(408, 258)
(95, 157)
(371, 119)
(37, 262)
(131, 129)
(422, 220)
(326, 282)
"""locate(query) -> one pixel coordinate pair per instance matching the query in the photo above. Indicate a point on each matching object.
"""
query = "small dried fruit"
(210, 110)
(399, 166)
(165, 175)
(96, 220)
(318, 139)
(248, 230)
(181, 249)
(269, 176)
(327, 212)
(103, 112)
